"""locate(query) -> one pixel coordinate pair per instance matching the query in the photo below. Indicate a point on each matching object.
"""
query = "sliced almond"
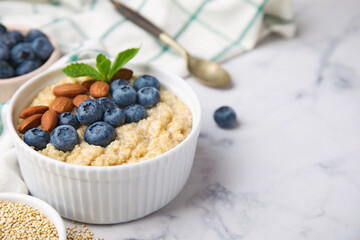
(27, 112)
(88, 83)
(123, 73)
(30, 122)
(49, 120)
(69, 90)
(99, 89)
(79, 99)
(62, 104)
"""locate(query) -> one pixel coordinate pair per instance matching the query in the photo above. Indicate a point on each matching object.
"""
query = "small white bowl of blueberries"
(24, 53)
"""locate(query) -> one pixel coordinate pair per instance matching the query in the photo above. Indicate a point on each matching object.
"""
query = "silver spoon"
(207, 72)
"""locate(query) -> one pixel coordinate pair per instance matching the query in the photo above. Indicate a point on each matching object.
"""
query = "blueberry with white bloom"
(114, 116)
(37, 138)
(225, 117)
(148, 96)
(117, 83)
(106, 103)
(68, 118)
(89, 111)
(2, 29)
(42, 47)
(124, 96)
(6, 70)
(21, 52)
(28, 66)
(100, 134)
(146, 81)
(33, 34)
(134, 113)
(64, 138)
(4, 52)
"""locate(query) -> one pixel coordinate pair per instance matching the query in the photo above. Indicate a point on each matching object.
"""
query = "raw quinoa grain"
(20, 221)
(73, 233)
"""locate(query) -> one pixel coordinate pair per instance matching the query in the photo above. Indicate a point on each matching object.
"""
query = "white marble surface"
(290, 169)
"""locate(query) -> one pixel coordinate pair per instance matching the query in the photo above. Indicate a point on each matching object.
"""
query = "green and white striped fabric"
(211, 29)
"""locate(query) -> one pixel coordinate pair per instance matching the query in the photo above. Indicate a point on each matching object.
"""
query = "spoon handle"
(148, 26)
(137, 19)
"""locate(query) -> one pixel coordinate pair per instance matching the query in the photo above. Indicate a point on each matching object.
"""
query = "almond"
(69, 90)
(88, 83)
(27, 112)
(79, 99)
(30, 122)
(62, 104)
(49, 120)
(123, 73)
(99, 89)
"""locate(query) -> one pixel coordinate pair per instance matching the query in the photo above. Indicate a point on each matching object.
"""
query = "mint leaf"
(121, 59)
(82, 69)
(103, 65)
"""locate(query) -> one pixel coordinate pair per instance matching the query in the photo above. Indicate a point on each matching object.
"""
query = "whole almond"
(88, 83)
(123, 73)
(69, 90)
(99, 89)
(49, 120)
(30, 122)
(27, 112)
(62, 104)
(79, 99)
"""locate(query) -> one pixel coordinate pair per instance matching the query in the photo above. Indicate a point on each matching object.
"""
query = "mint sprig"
(105, 70)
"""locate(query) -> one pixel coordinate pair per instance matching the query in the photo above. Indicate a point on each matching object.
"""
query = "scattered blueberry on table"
(225, 117)
(22, 53)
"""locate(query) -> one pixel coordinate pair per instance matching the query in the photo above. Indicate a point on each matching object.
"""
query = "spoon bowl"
(207, 72)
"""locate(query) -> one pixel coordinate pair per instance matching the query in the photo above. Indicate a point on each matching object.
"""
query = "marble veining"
(289, 169)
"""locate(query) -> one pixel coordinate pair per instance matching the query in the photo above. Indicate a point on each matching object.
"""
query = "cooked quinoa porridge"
(166, 125)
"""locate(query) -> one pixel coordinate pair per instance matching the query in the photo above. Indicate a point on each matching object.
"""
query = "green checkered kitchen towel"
(211, 29)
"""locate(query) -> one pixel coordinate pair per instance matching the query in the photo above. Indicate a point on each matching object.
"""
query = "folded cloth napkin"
(210, 29)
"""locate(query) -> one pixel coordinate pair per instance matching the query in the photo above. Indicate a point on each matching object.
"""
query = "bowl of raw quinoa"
(26, 217)
(144, 167)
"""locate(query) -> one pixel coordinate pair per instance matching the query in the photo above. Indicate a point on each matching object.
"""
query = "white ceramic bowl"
(111, 194)
(41, 206)
(8, 86)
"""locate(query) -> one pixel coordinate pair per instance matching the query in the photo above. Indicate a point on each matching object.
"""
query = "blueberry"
(33, 33)
(42, 47)
(6, 70)
(89, 111)
(28, 66)
(2, 29)
(64, 138)
(37, 138)
(146, 81)
(9, 40)
(124, 96)
(134, 113)
(225, 117)
(21, 52)
(16, 35)
(4, 52)
(114, 116)
(100, 134)
(118, 83)
(148, 96)
(68, 118)
(106, 103)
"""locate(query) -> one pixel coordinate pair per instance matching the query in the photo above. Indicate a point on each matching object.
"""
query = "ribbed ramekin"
(111, 194)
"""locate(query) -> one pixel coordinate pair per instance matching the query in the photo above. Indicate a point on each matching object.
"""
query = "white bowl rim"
(41, 206)
(55, 55)
(15, 136)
